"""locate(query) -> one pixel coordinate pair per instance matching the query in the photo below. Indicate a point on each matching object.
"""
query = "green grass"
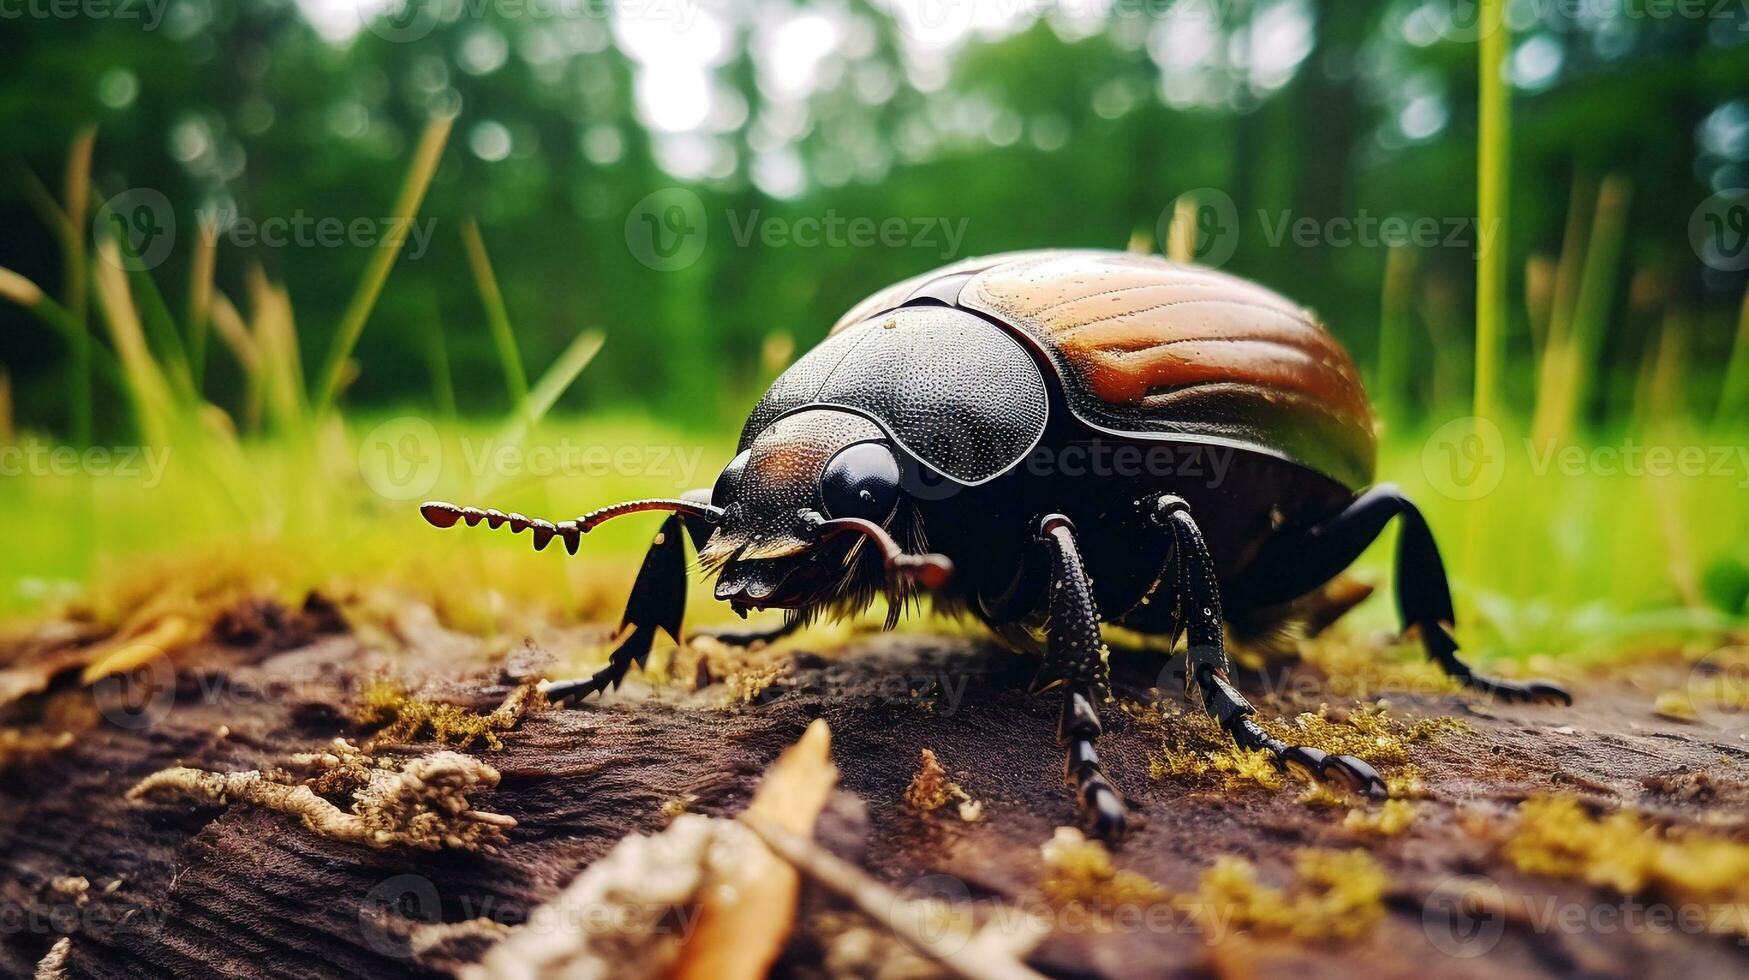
(1571, 563)
(289, 491)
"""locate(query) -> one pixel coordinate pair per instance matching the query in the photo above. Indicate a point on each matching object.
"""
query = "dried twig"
(980, 956)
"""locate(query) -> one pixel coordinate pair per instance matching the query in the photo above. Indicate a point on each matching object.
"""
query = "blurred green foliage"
(1077, 128)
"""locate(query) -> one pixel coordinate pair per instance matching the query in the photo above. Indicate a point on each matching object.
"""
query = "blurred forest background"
(1022, 123)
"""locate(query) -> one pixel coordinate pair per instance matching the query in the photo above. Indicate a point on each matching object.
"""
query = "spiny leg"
(658, 601)
(1206, 662)
(1075, 660)
(1295, 564)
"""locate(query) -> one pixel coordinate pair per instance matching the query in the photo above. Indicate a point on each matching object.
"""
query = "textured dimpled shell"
(957, 391)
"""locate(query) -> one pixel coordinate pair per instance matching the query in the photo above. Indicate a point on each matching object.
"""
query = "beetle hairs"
(441, 514)
(927, 569)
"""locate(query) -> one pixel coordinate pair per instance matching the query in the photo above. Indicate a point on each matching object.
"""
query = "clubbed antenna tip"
(441, 514)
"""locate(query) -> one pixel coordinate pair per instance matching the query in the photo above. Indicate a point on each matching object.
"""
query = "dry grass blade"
(276, 338)
(741, 937)
(74, 253)
(1568, 357)
(1181, 235)
(154, 403)
(546, 392)
(497, 315)
(382, 260)
(200, 302)
(30, 297)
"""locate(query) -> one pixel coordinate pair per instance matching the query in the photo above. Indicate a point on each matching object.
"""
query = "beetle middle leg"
(1075, 659)
(1206, 661)
(748, 637)
(1299, 563)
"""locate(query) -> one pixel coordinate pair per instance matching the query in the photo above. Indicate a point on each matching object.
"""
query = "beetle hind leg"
(1294, 565)
(1206, 664)
(1075, 660)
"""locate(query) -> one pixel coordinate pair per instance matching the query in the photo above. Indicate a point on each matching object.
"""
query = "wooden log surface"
(178, 887)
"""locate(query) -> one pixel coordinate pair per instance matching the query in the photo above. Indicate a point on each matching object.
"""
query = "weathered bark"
(183, 887)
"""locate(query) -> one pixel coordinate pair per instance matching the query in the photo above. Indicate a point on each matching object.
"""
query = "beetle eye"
(724, 491)
(861, 481)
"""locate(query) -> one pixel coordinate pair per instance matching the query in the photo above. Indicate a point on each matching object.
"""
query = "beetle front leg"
(1206, 662)
(657, 602)
(1075, 658)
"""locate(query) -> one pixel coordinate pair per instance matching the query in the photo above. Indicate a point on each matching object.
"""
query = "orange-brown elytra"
(1079, 437)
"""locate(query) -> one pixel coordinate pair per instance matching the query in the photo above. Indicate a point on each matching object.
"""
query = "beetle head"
(785, 501)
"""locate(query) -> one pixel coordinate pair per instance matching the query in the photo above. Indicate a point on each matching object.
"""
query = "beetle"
(1049, 440)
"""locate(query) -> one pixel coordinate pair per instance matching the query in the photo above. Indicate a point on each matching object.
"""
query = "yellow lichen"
(1366, 732)
(1406, 784)
(1676, 706)
(1356, 670)
(1336, 895)
(1325, 796)
(1387, 820)
(403, 718)
(930, 790)
(1079, 871)
(1197, 750)
(1556, 836)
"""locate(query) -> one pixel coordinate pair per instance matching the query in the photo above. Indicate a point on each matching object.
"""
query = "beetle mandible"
(974, 433)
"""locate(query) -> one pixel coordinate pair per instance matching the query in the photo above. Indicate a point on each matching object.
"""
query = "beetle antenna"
(441, 514)
(928, 569)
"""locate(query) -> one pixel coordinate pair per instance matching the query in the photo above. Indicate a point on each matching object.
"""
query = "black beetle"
(1065, 432)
